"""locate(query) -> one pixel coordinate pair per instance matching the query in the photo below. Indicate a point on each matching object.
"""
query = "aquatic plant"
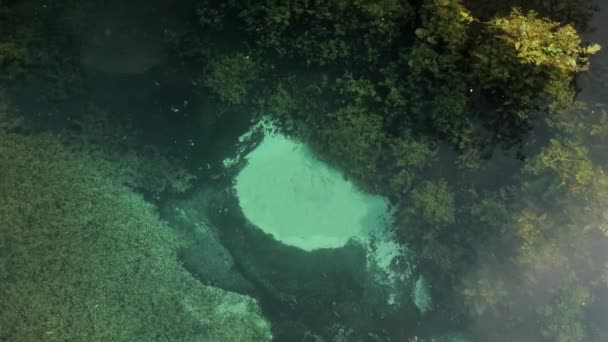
(84, 257)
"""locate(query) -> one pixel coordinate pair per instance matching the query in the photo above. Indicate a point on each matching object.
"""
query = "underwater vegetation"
(463, 113)
(85, 257)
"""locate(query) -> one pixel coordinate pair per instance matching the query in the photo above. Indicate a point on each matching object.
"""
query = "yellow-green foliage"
(568, 162)
(578, 12)
(543, 42)
(84, 258)
(554, 231)
(526, 64)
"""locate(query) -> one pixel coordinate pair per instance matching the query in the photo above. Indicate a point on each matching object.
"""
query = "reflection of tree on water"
(415, 100)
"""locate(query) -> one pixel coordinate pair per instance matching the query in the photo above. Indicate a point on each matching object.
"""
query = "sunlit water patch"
(287, 192)
(303, 202)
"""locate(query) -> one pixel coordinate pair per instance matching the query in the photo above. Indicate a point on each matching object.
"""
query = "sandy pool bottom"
(303, 202)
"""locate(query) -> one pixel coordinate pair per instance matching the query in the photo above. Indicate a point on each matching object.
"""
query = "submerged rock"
(204, 256)
(316, 249)
(422, 295)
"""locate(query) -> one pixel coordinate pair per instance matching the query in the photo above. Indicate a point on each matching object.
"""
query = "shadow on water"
(322, 293)
(121, 61)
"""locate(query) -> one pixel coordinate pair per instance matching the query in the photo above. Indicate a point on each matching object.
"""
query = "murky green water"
(390, 170)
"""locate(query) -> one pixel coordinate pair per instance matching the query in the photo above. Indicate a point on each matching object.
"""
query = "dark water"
(110, 82)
